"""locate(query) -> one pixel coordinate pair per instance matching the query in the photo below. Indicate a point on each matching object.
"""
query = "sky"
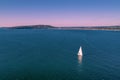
(59, 12)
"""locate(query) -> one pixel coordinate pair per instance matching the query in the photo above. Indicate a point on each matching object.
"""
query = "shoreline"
(101, 28)
(64, 29)
(91, 29)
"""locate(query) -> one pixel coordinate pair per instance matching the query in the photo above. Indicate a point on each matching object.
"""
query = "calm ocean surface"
(52, 55)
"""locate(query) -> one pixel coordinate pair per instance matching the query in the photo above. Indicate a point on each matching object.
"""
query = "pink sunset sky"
(59, 13)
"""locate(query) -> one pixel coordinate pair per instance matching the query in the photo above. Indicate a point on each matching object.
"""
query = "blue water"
(52, 55)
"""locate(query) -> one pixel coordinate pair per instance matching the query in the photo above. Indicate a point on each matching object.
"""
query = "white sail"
(80, 52)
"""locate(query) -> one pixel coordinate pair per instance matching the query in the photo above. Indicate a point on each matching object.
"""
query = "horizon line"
(61, 26)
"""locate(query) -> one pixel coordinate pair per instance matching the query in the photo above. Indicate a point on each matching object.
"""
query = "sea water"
(46, 54)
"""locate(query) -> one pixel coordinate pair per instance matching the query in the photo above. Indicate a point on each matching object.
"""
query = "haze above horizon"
(60, 12)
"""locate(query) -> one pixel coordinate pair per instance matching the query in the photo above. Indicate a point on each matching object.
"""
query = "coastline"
(91, 29)
(102, 28)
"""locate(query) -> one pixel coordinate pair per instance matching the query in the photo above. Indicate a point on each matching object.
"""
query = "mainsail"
(80, 52)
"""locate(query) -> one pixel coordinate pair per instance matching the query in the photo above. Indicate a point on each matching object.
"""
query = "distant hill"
(32, 27)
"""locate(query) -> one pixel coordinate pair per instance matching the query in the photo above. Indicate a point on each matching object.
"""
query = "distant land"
(75, 28)
(95, 28)
(31, 27)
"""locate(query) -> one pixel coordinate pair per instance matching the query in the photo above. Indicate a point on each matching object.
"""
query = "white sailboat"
(80, 52)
